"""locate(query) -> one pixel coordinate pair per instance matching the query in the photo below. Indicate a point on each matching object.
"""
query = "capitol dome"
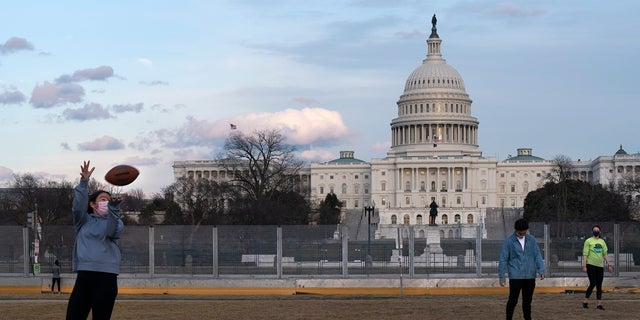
(434, 111)
(434, 74)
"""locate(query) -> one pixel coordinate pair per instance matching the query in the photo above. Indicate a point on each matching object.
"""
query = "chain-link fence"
(314, 251)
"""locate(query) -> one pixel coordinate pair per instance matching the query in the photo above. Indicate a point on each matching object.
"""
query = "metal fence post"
(25, 250)
(215, 261)
(547, 250)
(152, 251)
(344, 236)
(411, 251)
(616, 250)
(479, 251)
(279, 252)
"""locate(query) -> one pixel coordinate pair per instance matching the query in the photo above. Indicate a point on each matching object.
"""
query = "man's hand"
(502, 283)
(542, 277)
(85, 173)
(116, 200)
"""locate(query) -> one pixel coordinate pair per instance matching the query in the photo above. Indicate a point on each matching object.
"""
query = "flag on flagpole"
(233, 126)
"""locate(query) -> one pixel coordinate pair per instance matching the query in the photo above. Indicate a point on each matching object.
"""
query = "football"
(122, 175)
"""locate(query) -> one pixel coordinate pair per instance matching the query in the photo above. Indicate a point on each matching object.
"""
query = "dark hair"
(596, 226)
(521, 224)
(93, 197)
(56, 262)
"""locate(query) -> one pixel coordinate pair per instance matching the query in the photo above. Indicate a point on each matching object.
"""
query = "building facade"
(435, 156)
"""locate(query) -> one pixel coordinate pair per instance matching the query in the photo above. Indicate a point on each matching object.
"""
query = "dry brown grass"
(619, 306)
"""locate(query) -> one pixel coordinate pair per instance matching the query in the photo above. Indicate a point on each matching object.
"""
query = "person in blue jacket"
(96, 254)
(521, 256)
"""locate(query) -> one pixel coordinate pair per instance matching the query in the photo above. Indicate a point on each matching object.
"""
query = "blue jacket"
(96, 247)
(521, 264)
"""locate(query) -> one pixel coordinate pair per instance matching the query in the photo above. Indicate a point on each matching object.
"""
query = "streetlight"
(369, 211)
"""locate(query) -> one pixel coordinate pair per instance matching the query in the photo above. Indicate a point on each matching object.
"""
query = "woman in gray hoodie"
(96, 254)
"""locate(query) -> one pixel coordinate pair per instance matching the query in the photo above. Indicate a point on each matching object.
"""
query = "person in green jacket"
(594, 254)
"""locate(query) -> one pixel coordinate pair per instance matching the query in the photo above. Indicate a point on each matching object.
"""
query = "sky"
(147, 83)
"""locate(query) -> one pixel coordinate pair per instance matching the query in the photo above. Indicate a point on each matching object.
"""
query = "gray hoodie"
(96, 246)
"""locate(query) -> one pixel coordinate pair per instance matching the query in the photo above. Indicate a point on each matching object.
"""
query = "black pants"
(53, 283)
(596, 275)
(95, 292)
(515, 286)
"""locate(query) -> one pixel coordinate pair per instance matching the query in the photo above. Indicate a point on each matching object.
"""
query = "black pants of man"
(596, 276)
(55, 281)
(515, 286)
(95, 292)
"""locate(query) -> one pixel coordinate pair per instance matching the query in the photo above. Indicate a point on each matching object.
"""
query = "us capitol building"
(435, 157)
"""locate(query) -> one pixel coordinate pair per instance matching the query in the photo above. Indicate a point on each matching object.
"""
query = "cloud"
(104, 143)
(381, 146)
(48, 94)
(122, 108)
(12, 97)
(145, 62)
(92, 111)
(65, 146)
(97, 74)
(305, 101)
(141, 161)
(15, 44)
(154, 83)
(5, 173)
(308, 126)
(511, 10)
(319, 155)
(404, 35)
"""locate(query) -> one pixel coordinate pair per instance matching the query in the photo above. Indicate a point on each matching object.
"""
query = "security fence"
(314, 251)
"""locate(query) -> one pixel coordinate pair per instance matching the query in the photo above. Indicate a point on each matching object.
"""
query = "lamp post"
(369, 211)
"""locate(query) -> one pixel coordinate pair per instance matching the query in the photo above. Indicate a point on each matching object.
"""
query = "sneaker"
(585, 305)
(599, 308)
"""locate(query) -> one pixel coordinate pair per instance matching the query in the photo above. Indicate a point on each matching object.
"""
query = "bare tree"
(202, 200)
(51, 200)
(265, 174)
(133, 201)
(261, 163)
(629, 187)
(561, 171)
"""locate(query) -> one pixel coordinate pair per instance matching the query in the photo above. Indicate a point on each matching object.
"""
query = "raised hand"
(85, 173)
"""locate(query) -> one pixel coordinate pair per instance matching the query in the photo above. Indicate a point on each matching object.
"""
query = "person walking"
(96, 254)
(521, 255)
(55, 275)
(594, 254)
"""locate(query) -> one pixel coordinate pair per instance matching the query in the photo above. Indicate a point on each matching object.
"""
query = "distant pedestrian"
(521, 256)
(594, 255)
(55, 275)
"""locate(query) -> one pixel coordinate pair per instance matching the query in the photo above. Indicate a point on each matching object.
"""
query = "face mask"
(596, 233)
(103, 208)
